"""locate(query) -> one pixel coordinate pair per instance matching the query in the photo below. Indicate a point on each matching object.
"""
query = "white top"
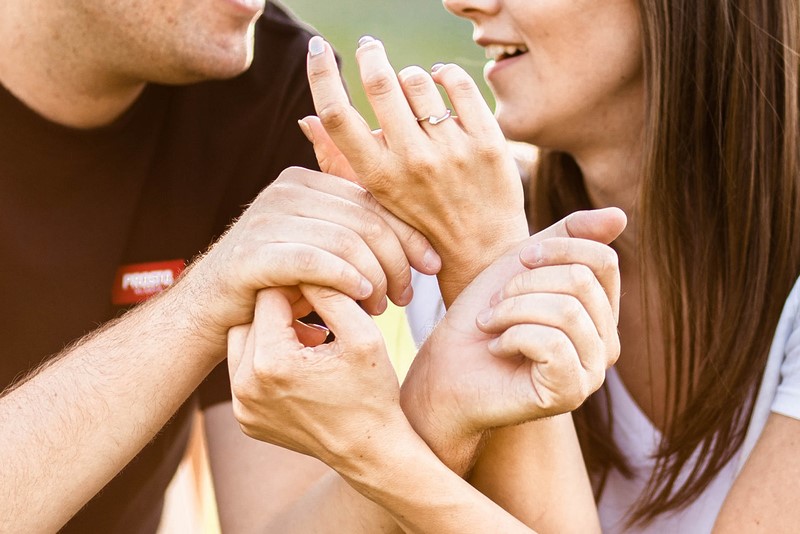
(638, 438)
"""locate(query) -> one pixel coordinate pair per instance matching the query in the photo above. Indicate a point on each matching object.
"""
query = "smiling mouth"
(501, 52)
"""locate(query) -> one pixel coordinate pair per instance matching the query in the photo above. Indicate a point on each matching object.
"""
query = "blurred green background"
(415, 32)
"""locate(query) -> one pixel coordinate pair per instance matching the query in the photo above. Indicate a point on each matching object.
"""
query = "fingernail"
(432, 261)
(532, 255)
(321, 328)
(366, 288)
(365, 39)
(494, 344)
(497, 297)
(306, 130)
(407, 295)
(316, 45)
(485, 316)
(436, 67)
(382, 305)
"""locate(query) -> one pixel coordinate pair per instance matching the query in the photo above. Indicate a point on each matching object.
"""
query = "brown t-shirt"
(159, 184)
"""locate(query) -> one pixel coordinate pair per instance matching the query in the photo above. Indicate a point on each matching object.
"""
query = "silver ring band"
(434, 120)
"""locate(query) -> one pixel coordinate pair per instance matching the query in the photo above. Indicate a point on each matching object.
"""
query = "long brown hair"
(719, 208)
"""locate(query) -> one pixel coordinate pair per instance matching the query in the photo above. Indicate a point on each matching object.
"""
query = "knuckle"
(460, 82)
(317, 74)
(572, 309)
(378, 83)
(609, 260)
(422, 163)
(518, 285)
(558, 343)
(333, 116)
(581, 277)
(415, 81)
(370, 227)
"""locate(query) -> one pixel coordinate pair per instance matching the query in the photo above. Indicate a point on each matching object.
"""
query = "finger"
(559, 383)
(602, 225)
(425, 100)
(237, 340)
(418, 250)
(342, 122)
(356, 333)
(468, 102)
(329, 157)
(601, 259)
(310, 335)
(574, 280)
(273, 324)
(562, 312)
(360, 239)
(384, 93)
(289, 264)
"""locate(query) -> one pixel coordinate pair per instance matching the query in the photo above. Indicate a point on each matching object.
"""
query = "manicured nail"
(365, 39)
(494, 344)
(532, 255)
(436, 67)
(306, 130)
(432, 261)
(485, 316)
(365, 289)
(316, 45)
(382, 305)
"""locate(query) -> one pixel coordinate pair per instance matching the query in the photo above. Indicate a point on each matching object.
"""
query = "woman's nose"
(472, 9)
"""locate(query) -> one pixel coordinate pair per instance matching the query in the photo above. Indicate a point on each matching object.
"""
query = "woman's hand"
(452, 178)
(324, 400)
(531, 337)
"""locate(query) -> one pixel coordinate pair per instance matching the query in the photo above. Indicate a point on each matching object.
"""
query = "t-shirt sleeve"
(787, 399)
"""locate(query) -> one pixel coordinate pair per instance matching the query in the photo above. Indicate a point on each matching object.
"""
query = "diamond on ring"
(434, 120)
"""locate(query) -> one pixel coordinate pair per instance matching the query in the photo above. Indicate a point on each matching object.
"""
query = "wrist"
(437, 421)
(178, 310)
(466, 256)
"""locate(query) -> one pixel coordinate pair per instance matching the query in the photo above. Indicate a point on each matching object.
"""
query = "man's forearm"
(71, 427)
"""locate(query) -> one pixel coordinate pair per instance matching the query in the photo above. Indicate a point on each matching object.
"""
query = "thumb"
(602, 225)
(330, 158)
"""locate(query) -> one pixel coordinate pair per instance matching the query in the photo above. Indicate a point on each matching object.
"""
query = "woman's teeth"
(498, 52)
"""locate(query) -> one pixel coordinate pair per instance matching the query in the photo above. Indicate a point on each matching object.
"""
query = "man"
(118, 165)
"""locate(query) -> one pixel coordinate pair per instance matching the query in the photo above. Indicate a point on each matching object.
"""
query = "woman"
(685, 114)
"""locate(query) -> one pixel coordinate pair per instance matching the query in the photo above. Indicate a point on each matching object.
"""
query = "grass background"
(414, 32)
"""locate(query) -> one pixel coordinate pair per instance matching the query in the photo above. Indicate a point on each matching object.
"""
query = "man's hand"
(531, 337)
(456, 181)
(313, 228)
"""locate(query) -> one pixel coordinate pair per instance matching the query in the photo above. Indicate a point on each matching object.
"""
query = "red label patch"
(137, 282)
